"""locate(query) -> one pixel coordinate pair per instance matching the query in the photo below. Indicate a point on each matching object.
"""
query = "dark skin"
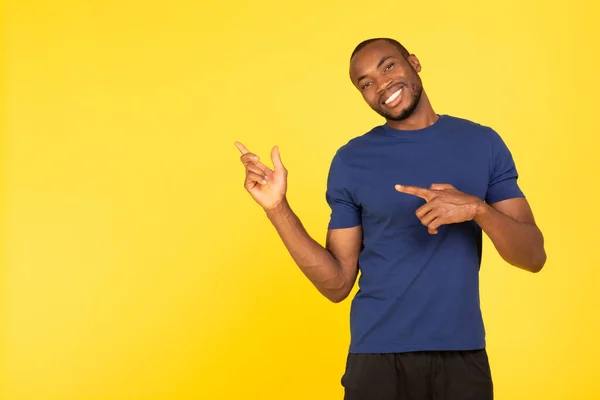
(331, 269)
(379, 71)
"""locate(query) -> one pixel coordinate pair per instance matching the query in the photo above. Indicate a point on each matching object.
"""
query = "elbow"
(535, 268)
(537, 263)
(534, 263)
(337, 298)
(337, 291)
(537, 255)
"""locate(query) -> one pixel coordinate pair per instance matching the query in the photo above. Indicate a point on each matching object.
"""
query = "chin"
(406, 112)
(398, 116)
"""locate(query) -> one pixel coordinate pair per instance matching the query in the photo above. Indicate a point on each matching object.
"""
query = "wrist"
(481, 210)
(279, 208)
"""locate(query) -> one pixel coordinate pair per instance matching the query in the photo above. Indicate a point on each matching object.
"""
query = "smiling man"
(409, 202)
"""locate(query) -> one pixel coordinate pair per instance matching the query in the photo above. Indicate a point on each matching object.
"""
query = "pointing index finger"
(423, 193)
(241, 148)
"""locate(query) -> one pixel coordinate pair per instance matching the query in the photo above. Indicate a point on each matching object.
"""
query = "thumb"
(276, 158)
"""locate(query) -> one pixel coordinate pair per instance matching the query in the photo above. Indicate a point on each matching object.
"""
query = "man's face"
(389, 83)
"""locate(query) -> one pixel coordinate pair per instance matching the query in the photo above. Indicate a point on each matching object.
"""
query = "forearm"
(316, 262)
(519, 243)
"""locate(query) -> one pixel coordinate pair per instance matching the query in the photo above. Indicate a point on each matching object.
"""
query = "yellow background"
(136, 266)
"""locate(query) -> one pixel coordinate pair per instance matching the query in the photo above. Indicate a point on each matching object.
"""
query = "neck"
(421, 118)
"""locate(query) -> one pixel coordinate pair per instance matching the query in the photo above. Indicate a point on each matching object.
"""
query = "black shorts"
(431, 375)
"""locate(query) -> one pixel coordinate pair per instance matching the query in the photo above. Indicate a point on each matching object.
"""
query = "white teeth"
(393, 97)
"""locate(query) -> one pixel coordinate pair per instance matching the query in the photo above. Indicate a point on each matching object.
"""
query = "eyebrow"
(384, 59)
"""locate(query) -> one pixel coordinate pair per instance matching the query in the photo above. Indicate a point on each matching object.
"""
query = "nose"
(383, 83)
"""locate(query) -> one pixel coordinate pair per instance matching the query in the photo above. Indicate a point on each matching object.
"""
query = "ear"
(414, 62)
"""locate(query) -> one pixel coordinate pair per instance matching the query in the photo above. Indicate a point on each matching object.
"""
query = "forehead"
(368, 57)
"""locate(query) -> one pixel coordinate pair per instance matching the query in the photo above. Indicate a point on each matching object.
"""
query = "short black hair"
(393, 42)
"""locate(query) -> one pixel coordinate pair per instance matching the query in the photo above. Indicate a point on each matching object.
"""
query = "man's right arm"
(332, 269)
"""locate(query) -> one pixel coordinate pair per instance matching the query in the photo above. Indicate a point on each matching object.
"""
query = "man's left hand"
(444, 205)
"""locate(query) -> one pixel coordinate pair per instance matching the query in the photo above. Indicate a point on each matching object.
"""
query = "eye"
(389, 66)
(366, 85)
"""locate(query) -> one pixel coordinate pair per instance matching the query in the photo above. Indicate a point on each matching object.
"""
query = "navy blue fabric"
(417, 291)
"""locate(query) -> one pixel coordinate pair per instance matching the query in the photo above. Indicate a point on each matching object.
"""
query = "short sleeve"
(345, 213)
(503, 173)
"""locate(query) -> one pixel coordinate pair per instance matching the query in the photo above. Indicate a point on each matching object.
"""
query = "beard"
(415, 89)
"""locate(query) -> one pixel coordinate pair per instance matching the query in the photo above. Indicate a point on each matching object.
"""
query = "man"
(409, 201)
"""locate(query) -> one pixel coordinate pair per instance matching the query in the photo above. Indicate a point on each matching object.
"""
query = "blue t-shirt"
(417, 291)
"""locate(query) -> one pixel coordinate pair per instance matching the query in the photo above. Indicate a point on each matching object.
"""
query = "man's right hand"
(267, 187)
(332, 269)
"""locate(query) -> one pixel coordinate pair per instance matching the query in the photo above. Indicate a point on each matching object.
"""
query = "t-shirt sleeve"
(345, 213)
(503, 173)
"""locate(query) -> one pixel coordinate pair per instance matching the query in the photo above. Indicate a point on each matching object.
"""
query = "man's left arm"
(511, 227)
(503, 213)
(509, 223)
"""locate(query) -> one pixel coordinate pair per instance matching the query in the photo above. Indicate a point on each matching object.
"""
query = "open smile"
(393, 99)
